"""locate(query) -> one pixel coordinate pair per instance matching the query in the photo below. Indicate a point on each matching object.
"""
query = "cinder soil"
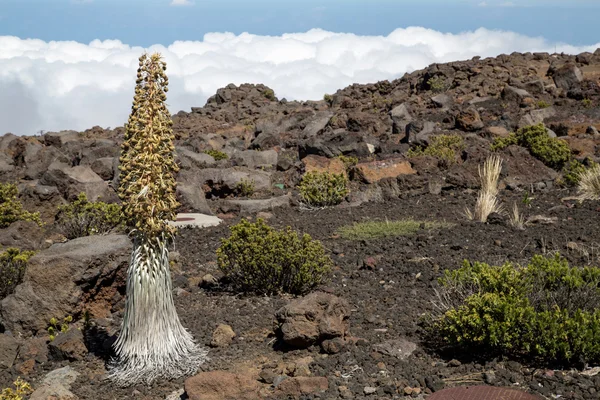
(387, 301)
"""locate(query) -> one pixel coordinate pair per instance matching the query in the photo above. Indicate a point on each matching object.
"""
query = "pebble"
(489, 377)
(370, 390)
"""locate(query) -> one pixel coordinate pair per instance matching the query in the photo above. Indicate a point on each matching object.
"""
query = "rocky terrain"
(373, 345)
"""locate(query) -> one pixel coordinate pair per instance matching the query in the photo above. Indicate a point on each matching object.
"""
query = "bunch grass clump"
(553, 152)
(487, 199)
(545, 311)
(259, 259)
(13, 263)
(11, 209)
(589, 183)
(323, 189)
(85, 218)
(381, 229)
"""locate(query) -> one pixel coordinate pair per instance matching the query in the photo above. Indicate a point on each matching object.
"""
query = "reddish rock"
(375, 171)
(582, 147)
(469, 120)
(301, 385)
(222, 385)
(312, 319)
(222, 336)
(68, 346)
(323, 164)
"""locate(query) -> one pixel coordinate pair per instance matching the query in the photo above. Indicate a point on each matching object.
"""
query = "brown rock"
(35, 349)
(375, 171)
(469, 120)
(313, 318)
(301, 385)
(221, 385)
(496, 131)
(222, 336)
(68, 346)
(582, 147)
(8, 351)
(313, 163)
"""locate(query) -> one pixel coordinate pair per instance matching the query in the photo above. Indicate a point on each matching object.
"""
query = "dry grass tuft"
(516, 219)
(589, 184)
(487, 200)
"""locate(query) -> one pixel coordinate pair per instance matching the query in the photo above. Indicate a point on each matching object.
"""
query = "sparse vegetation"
(11, 209)
(553, 152)
(516, 219)
(13, 263)
(349, 161)
(323, 189)
(587, 103)
(85, 218)
(542, 104)
(327, 98)
(216, 154)
(54, 327)
(246, 187)
(22, 388)
(381, 229)
(270, 95)
(487, 199)
(437, 84)
(257, 258)
(546, 310)
(442, 147)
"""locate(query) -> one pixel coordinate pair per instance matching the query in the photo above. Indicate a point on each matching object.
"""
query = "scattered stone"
(368, 390)
(454, 363)
(314, 163)
(333, 346)
(316, 317)
(567, 77)
(345, 393)
(299, 386)
(176, 395)
(469, 120)
(68, 346)
(489, 377)
(222, 336)
(56, 385)
(401, 348)
(9, 348)
(221, 385)
(374, 171)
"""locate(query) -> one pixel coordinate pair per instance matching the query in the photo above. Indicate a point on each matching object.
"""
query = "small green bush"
(349, 161)
(84, 218)
(11, 209)
(216, 154)
(552, 152)
(246, 187)
(442, 147)
(13, 263)
(542, 104)
(546, 311)
(322, 189)
(572, 171)
(270, 94)
(257, 258)
(327, 98)
(587, 103)
(437, 84)
(22, 389)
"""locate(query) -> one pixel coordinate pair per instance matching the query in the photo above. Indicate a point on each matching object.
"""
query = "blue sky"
(146, 22)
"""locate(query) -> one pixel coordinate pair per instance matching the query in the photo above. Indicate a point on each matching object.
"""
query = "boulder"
(511, 93)
(192, 199)
(190, 159)
(56, 385)
(374, 171)
(222, 385)
(64, 278)
(255, 159)
(58, 139)
(37, 159)
(299, 386)
(26, 235)
(71, 181)
(401, 117)
(567, 77)
(221, 182)
(68, 346)
(9, 348)
(311, 319)
(104, 167)
(313, 163)
(536, 116)
(317, 124)
(469, 120)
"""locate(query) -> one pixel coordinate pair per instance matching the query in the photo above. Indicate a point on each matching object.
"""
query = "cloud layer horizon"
(53, 86)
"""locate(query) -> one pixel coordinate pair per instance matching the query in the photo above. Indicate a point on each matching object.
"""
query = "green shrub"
(546, 311)
(257, 258)
(437, 84)
(11, 209)
(542, 104)
(84, 218)
(572, 171)
(327, 98)
(13, 263)
(552, 152)
(270, 94)
(442, 147)
(246, 187)
(349, 161)
(587, 103)
(22, 389)
(216, 154)
(54, 327)
(322, 189)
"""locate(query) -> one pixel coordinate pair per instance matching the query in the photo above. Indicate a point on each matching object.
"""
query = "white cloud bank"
(181, 3)
(68, 85)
